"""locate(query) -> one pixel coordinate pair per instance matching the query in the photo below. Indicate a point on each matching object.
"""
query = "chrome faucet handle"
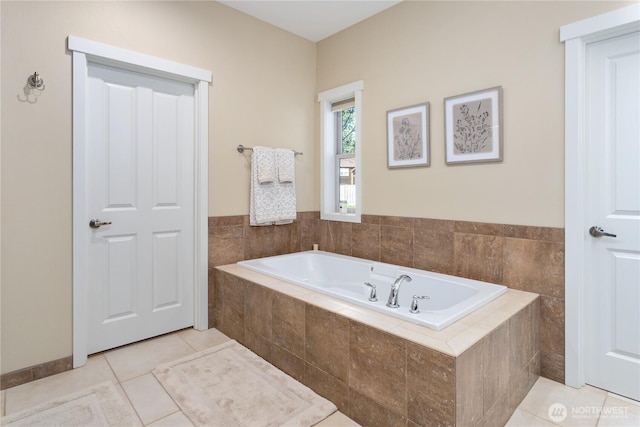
(373, 296)
(414, 303)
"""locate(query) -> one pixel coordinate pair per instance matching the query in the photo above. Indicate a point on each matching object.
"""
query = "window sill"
(355, 218)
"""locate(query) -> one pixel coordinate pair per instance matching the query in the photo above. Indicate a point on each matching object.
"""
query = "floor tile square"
(24, 396)
(522, 418)
(577, 404)
(140, 358)
(201, 340)
(337, 419)
(149, 398)
(174, 420)
(619, 412)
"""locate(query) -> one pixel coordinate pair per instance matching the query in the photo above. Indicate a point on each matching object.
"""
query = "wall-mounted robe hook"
(35, 81)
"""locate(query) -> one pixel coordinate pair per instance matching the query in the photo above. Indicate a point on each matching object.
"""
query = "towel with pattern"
(273, 202)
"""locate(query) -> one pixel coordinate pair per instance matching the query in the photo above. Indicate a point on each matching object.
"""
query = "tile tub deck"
(380, 370)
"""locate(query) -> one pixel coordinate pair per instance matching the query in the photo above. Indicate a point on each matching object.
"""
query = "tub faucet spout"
(395, 288)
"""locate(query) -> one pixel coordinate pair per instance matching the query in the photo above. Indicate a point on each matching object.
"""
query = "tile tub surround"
(380, 370)
(431, 244)
(520, 257)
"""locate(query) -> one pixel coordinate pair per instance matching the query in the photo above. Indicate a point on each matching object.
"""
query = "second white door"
(613, 185)
(140, 179)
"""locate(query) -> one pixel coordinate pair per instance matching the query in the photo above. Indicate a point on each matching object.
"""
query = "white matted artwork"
(408, 136)
(473, 127)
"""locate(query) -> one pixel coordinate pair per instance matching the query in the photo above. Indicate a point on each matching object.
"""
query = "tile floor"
(130, 368)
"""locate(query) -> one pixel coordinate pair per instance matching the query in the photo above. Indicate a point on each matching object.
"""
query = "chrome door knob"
(596, 231)
(96, 223)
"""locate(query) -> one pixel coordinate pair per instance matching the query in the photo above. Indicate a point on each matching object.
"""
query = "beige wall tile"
(552, 324)
(534, 266)
(469, 227)
(226, 244)
(396, 245)
(327, 386)
(548, 234)
(378, 366)
(469, 386)
(366, 241)
(310, 232)
(371, 219)
(288, 324)
(233, 290)
(258, 302)
(232, 323)
(430, 386)
(336, 237)
(433, 250)
(258, 344)
(478, 257)
(397, 221)
(287, 362)
(368, 412)
(327, 342)
(552, 366)
(498, 414)
(495, 356)
(520, 345)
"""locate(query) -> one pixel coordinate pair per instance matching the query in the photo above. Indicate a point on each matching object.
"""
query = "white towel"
(270, 203)
(264, 159)
(286, 195)
(285, 161)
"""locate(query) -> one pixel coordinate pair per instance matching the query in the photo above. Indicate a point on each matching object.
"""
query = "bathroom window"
(341, 186)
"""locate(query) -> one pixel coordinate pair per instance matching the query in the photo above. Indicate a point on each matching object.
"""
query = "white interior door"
(613, 192)
(140, 161)
(140, 179)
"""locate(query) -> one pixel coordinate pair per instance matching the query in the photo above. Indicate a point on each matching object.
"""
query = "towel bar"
(241, 149)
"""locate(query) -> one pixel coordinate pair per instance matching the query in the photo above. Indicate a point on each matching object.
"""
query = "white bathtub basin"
(450, 297)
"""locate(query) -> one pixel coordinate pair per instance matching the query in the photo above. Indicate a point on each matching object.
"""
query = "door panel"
(140, 176)
(120, 279)
(613, 159)
(166, 271)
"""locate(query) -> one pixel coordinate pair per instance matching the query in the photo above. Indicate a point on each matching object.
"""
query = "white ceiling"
(312, 19)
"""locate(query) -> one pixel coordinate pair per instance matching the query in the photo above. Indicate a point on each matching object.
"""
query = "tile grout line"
(119, 384)
(538, 417)
(150, 372)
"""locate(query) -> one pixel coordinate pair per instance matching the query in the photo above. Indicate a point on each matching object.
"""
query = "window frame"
(329, 156)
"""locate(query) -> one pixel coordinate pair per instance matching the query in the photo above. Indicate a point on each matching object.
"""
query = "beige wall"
(263, 92)
(425, 51)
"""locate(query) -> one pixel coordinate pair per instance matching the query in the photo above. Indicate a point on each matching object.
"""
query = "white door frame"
(84, 52)
(576, 36)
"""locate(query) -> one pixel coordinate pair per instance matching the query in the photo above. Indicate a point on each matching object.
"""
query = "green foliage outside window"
(349, 130)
